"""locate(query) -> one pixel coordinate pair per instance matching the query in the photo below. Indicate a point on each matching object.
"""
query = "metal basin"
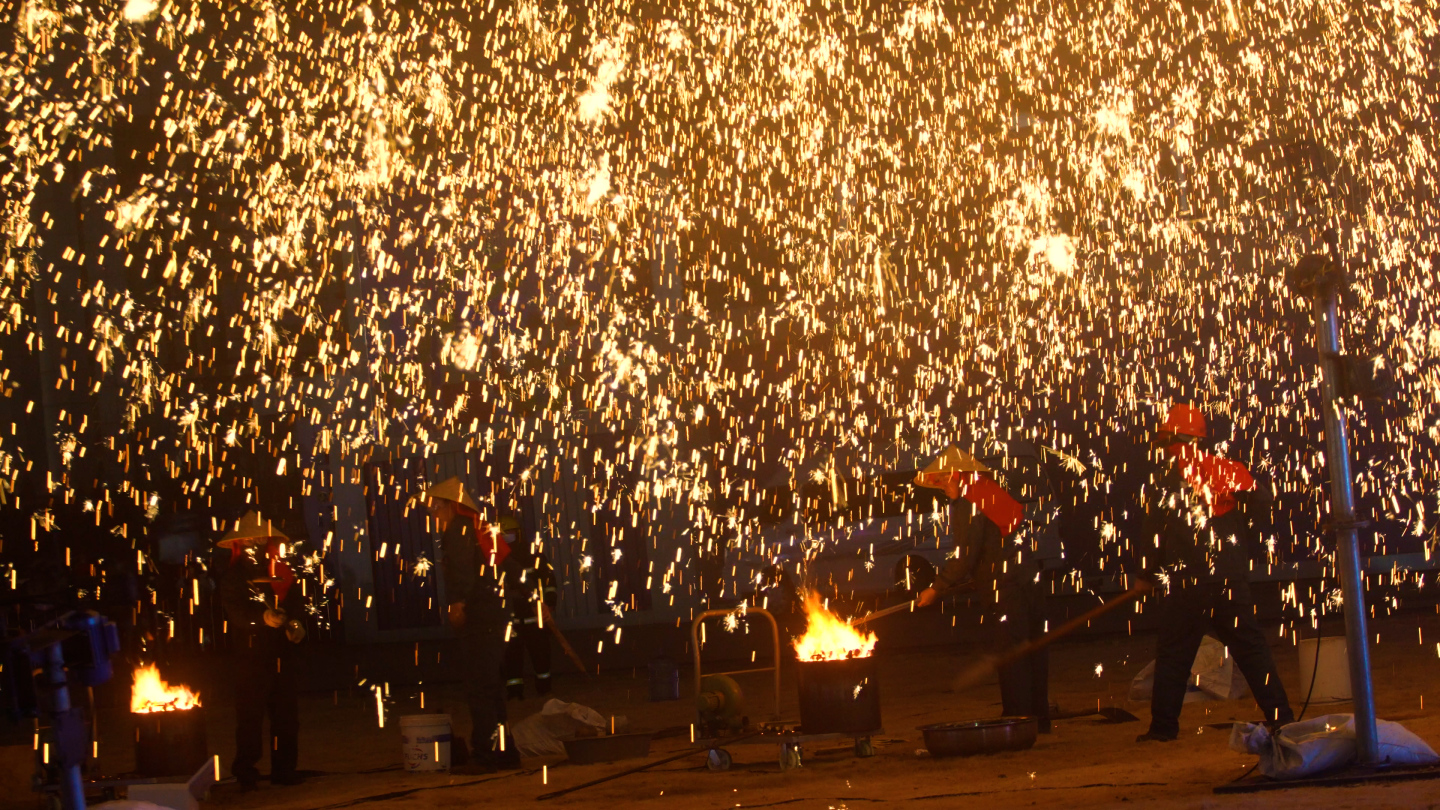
(980, 736)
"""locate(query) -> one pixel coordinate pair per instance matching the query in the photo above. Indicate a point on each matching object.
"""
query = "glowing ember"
(151, 694)
(828, 637)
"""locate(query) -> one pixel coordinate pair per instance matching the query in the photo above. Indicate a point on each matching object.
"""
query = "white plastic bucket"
(425, 742)
(1331, 672)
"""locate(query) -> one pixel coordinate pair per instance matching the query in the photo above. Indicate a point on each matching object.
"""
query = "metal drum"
(839, 697)
(170, 743)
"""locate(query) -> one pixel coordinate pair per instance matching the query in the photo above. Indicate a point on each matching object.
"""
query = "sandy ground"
(1084, 763)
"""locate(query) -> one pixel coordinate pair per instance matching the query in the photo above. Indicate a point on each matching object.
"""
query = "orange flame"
(828, 637)
(151, 694)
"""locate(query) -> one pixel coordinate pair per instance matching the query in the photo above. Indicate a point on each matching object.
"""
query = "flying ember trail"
(696, 263)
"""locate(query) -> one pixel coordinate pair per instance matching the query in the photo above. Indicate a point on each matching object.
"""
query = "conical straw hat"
(953, 459)
(252, 527)
(451, 489)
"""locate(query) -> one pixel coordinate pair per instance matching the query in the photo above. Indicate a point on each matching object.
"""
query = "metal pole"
(1342, 520)
(72, 785)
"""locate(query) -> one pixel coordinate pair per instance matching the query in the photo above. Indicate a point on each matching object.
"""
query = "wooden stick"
(990, 662)
(1140, 589)
(960, 588)
(549, 619)
(881, 613)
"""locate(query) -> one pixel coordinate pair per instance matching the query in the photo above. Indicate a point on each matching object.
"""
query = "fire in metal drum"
(839, 697)
(170, 743)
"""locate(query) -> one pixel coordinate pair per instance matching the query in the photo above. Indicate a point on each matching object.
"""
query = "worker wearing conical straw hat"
(264, 613)
(1195, 518)
(994, 557)
(476, 568)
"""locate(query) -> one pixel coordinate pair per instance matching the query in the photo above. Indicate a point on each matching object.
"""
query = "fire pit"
(170, 726)
(839, 697)
(838, 678)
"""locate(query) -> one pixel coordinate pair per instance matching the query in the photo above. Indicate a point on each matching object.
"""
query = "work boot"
(1155, 736)
(542, 684)
(249, 779)
(515, 691)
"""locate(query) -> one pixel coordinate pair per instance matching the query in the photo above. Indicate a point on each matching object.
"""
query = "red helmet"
(1184, 420)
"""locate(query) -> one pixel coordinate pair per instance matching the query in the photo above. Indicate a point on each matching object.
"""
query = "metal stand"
(1321, 279)
(1342, 507)
(774, 634)
(69, 730)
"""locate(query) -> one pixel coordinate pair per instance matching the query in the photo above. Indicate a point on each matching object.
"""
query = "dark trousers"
(1024, 682)
(266, 684)
(1224, 610)
(481, 648)
(535, 640)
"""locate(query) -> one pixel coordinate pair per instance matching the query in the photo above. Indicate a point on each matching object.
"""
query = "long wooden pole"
(1140, 589)
(549, 619)
(884, 612)
(989, 662)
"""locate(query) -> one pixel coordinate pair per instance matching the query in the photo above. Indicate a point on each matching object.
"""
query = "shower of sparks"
(710, 243)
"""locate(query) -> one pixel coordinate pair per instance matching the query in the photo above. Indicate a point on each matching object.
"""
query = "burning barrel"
(837, 674)
(170, 727)
(840, 696)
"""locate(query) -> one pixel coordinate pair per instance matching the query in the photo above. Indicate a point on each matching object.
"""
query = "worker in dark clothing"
(264, 612)
(1193, 544)
(995, 555)
(534, 595)
(477, 564)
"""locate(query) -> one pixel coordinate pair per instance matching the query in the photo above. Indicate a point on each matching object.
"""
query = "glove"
(457, 615)
(295, 631)
(274, 617)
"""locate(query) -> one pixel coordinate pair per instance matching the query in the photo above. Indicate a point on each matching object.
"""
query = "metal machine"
(39, 669)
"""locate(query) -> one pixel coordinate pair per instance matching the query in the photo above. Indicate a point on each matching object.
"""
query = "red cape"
(1216, 478)
(992, 500)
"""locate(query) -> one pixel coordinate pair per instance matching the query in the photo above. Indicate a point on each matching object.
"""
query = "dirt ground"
(1084, 763)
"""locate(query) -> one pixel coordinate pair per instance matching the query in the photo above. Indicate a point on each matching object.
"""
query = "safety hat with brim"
(251, 529)
(1183, 422)
(453, 490)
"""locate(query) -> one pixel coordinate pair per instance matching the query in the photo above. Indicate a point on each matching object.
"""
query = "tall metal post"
(1342, 521)
(67, 726)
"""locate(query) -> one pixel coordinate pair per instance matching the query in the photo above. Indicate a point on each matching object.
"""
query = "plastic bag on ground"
(1213, 676)
(545, 732)
(1317, 745)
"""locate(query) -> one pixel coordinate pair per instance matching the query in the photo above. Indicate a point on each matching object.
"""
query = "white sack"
(1213, 676)
(545, 732)
(1319, 744)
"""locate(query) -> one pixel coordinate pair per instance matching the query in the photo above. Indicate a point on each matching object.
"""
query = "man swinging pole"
(985, 524)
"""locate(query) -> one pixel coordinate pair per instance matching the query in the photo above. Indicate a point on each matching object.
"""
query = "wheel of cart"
(790, 756)
(718, 759)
